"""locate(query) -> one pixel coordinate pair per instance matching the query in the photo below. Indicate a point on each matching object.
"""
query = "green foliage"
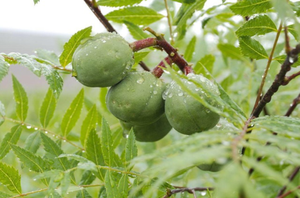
(138, 15)
(70, 47)
(55, 145)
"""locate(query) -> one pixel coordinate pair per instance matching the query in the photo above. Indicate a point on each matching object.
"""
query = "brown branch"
(158, 71)
(160, 41)
(291, 77)
(292, 57)
(189, 190)
(292, 176)
(95, 9)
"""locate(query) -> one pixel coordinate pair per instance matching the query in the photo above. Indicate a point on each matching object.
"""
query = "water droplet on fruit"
(154, 92)
(95, 47)
(140, 80)
(86, 54)
(207, 111)
(180, 94)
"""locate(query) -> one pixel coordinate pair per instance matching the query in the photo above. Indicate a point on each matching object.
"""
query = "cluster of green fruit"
(139, 99)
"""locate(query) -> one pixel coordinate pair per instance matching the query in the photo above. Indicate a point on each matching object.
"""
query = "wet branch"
(189, 190)
(158, 71)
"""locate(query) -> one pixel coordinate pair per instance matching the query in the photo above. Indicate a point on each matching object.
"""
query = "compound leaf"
(109, 155)
(12, 137)
(188, 54)
(250, 7)
(117, 3)
(2, 113)
(89, 123)
(257, 26)
(70, 47)
(33, 142)
(72, 115)
(94, 152)
(30, 160)
(4, 67)
(136, 32)
(207, 61)
(252, 48)
(20, 98)
(130, 148)
(111, 185)
(138, 15)
(47, 108)
(10, 177)
(54, 151)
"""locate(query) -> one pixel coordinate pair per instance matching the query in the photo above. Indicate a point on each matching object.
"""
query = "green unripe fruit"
(213, 167)
(102, 60)
(149, 132)
(137, 99)
(186, 114)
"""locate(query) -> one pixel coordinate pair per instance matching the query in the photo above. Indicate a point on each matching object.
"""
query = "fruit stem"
(159, 41)
(158, 71)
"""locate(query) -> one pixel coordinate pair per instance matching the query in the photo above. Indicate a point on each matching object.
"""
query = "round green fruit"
(213, 167)
(102, 60)
(186, 114)
(137, 99)
(149, 132)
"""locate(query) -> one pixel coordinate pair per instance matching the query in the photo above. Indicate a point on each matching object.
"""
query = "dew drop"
(86, 54)
(28, 127)
(203, 193)
(291, 60)
(35, 128)
(95, 47)
(83, 151)
(46, 132)
(34, 179)
(170, 95)
(155, 92)
(180, 94)
(140, 80)
(64, 140)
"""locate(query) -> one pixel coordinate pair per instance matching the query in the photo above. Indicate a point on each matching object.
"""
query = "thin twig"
(158, 71)
(189, 190)
(258, 97)
(47, 132)
(291, 77)
(169, 22)
(288, 193)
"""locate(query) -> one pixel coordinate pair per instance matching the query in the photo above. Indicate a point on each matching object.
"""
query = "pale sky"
(52, 16)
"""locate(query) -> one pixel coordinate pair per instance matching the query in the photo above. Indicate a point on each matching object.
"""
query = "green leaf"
(4, 67)
(233, 180)
(185, 1)
(54, 80)
(20, 98)
(117, 3)
(252, 48)
(130, 149)
(110, 157)
(47, 108)
(88, 124)
(188, 54)
(2, 113)
(83, 194)
(70, 47)
(292, 30)
(48, 56)
(87, 178)
(4, 195)
(282, 58)
(72, 115)
(186, 11)
(207, 61)
(123, 185)
(94, 152)
(36, 1)
(10, 177)
(250, 7)
(28, 61)
(231, 51)
(138, 15)
(12, 137)
(30, 160)
(111, 185)
(136, 32)
(259, 25)
(33, 142)
(54, 151)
